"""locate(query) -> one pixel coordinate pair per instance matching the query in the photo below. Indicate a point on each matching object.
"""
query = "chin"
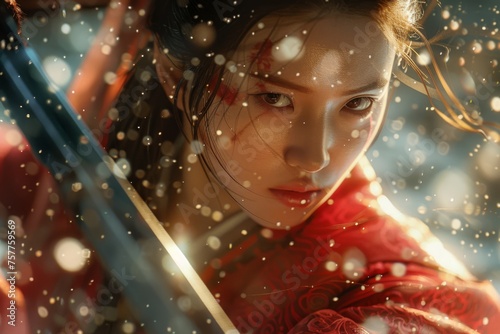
(284, 223)
(287, 220)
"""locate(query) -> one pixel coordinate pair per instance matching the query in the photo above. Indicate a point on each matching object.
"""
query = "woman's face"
(299, 104)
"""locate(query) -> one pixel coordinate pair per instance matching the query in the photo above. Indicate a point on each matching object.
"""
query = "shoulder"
(403, 270)
(358, 216)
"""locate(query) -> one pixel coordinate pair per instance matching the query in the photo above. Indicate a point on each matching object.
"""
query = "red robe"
(357, 266)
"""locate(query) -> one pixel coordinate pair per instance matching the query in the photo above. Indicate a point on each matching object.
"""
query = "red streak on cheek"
(261, 55)
(228, 95)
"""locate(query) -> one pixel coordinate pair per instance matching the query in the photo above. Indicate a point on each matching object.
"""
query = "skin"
(297, 121)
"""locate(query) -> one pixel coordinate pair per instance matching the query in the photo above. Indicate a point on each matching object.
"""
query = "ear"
(169, 71)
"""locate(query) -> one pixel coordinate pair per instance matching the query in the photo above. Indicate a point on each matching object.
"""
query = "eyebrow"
(281, 82)
(379, 83)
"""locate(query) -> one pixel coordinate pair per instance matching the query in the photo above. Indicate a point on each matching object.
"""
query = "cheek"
(253, 142)
(376, 121)
(367, 129)
(355, 136)
(249, 123)
(266, 131)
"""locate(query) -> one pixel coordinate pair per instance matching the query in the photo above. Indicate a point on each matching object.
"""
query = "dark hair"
(224, 24)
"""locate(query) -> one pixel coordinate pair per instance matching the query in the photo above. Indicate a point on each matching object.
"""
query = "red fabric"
(352, 269)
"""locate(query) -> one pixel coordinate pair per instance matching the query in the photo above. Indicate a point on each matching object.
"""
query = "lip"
(300, 198)
(300, 185)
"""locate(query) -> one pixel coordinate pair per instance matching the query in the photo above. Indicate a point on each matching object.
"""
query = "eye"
(276, 100)
(359, 104)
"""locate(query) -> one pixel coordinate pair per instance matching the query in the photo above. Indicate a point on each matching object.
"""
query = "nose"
(308, 147)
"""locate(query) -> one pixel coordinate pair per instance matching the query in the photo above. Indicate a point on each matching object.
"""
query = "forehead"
(335, 45)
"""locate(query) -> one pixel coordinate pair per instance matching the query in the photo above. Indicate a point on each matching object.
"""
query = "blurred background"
(448, 178)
